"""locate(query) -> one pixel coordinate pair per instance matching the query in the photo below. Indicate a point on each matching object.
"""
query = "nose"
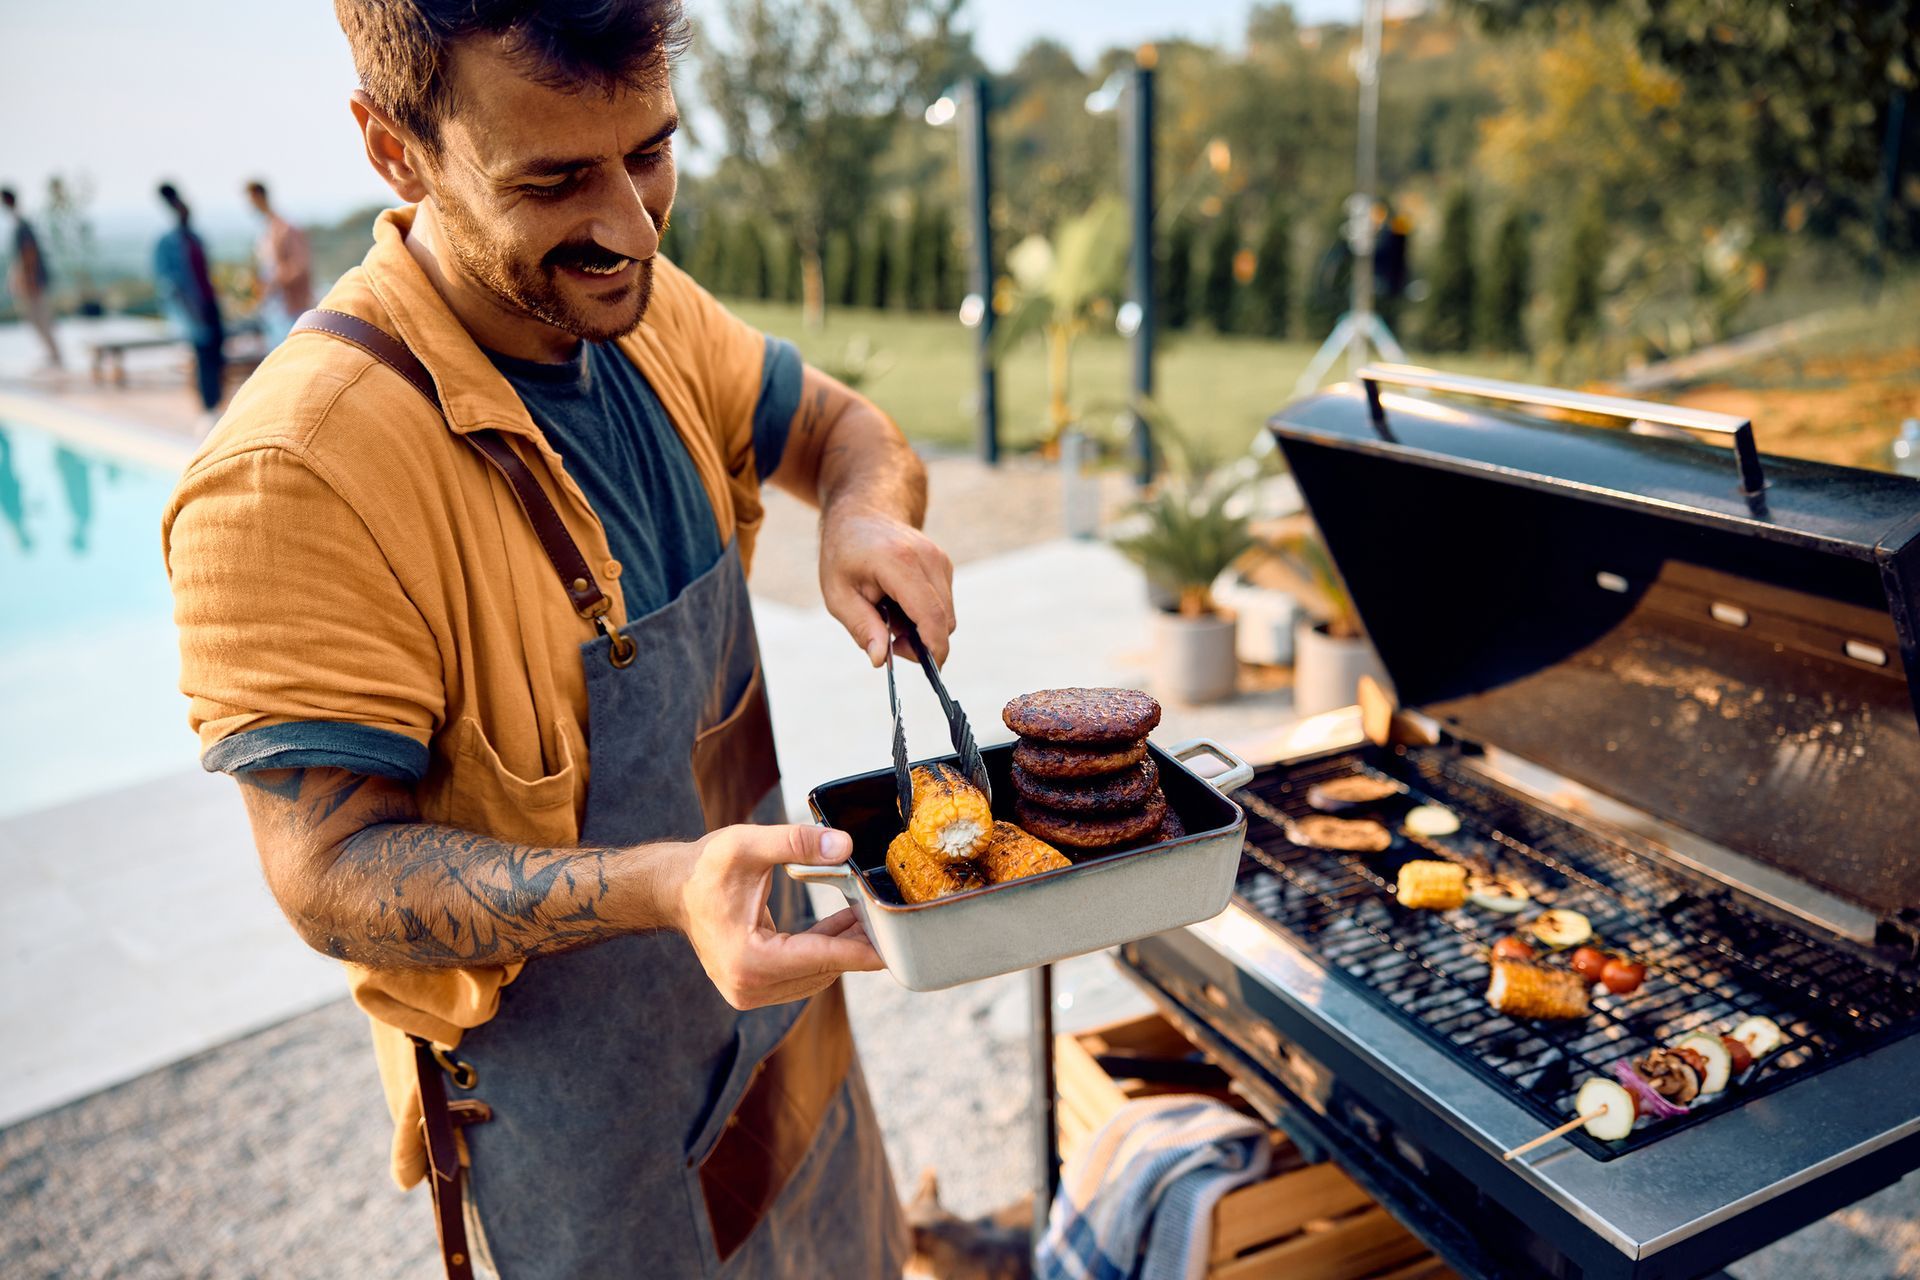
(626, 225)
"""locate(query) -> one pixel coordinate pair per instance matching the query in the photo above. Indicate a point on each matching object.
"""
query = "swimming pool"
(89, 661)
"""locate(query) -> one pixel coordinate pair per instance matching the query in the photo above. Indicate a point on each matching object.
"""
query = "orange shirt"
(337, 554)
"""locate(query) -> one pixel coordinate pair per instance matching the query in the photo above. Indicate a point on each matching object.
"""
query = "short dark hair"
(6, 196)
(168, 192)
(401, 47)
(257, 188)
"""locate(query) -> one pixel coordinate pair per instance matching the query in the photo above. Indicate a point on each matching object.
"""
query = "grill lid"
(1639, 611)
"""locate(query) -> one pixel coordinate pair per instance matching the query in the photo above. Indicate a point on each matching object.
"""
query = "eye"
(648, 159)
(551, 190)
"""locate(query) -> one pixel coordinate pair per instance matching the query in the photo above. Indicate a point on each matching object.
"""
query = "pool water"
(89, 660)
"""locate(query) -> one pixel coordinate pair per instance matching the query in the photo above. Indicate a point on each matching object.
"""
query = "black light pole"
(1137, 135)
(978, 172)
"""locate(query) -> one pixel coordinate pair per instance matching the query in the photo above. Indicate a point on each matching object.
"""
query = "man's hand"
(864, 556)
(723, 913)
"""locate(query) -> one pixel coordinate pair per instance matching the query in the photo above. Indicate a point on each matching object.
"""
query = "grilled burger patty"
(1354, 791)
(1353, 835)
(1083, 715)
(1171, 828)
(1069, 760)
(1088, 831)
(1120, 792)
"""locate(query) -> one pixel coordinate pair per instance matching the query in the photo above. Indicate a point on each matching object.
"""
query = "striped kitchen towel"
(1137, 1200)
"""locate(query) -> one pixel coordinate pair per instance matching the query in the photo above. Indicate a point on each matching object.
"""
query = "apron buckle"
(620, 647)
(462, 1073)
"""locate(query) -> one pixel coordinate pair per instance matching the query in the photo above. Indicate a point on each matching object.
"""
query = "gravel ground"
(267, 1156)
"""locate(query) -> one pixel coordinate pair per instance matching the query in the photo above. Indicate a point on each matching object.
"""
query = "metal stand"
(1351, 336)
(1361, 326)
(977, 167)
(1046, 1142)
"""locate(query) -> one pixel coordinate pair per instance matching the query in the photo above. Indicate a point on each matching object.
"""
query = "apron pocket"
(733, 762)
(766, 1135)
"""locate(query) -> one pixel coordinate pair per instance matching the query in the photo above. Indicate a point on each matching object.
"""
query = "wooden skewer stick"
(1551, 1134)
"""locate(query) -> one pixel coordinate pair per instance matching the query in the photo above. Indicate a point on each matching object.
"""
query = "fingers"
(927, 597)
(861, 617)
(776, 968)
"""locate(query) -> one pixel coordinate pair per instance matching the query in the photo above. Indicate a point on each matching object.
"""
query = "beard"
(536, 287)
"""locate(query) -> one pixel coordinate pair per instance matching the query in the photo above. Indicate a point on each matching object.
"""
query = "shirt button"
(613, 569)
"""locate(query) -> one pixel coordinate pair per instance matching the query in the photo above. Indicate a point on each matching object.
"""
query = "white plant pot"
(1265, 619)
(1194, 658)
(1326, 671)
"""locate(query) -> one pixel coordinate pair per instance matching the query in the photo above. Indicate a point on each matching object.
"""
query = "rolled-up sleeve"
(779, 401)
(299, 645)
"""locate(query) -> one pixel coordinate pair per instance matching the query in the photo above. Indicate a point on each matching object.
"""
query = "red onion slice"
(1650, 1100)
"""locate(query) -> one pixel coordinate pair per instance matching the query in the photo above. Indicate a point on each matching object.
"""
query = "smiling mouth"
(613, 270)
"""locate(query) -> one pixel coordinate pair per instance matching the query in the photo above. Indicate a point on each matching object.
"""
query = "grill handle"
(1746, 454)
(1234, 774)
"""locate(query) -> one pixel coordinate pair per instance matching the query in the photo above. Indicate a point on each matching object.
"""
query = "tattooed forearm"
(363, 879)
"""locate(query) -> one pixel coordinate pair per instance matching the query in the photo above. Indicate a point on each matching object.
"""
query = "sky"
(211, 93)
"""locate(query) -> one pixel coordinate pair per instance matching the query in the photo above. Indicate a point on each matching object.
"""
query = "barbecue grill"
(1667, 684)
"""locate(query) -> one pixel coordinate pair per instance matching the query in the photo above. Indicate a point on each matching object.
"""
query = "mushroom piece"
(1671, 1076)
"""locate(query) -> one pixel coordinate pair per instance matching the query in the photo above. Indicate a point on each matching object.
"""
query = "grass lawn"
(1217, 389)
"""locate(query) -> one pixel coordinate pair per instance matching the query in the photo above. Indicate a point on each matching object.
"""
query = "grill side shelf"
(1710, 961)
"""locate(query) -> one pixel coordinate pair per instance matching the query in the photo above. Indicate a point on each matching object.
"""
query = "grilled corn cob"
(951, 818)
(1529, 991)
(1012, 853)
(1431, 885)
(921, 876)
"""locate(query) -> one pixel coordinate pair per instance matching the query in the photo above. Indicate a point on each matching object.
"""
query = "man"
(27, 278)
(188, 298)
(470, 624)
(283, 268)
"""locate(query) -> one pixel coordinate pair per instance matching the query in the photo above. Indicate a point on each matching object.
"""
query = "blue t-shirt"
(611, 431)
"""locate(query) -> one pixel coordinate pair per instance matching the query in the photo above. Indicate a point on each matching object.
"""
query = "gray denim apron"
(634, 1123)
(613, 1072)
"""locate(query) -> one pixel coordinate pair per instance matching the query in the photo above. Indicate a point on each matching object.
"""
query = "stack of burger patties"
(1082, 775)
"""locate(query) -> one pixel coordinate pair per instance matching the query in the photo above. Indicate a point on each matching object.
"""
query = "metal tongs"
(970, 759)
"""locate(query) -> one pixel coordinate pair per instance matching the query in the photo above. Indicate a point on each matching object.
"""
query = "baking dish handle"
(836, 875)
(1236, 774)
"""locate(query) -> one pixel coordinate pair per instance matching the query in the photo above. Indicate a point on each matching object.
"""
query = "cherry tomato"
(1623, 976)
(1738, 1051)
(1590, 963)
(1513, 947)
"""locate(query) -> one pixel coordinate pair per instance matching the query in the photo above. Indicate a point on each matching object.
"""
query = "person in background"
(27, 278)
(283, 267)
(186, 294)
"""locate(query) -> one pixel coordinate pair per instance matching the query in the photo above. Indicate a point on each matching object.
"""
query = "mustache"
(584, 254)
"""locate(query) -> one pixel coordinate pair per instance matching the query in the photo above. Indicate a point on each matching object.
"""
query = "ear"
(389, 150)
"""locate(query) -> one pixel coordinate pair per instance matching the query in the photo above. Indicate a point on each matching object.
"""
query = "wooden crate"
(1302, 1222)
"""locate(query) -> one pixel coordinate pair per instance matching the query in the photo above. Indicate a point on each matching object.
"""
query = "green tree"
(1270, 297)
(874, 262)
(748, 273)
(1059, 285)
(1218, 289)
(841, 271)
(1507, 286)
(1175, 277)
(921, 285)
(946, 266)
(1576, 286)
(808, 91)
(1450, 313)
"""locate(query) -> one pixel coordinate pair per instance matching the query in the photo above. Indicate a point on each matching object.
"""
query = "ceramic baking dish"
(1101, 901)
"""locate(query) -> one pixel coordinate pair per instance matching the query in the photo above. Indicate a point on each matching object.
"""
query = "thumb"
(760, 848)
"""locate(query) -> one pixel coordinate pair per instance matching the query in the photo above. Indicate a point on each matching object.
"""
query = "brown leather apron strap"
(446, 1176)
(576, 577)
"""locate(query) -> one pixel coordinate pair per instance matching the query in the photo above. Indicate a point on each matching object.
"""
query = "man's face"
(555, 201)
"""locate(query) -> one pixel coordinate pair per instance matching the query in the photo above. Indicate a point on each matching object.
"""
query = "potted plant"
(1330, 650)
(1185, 536)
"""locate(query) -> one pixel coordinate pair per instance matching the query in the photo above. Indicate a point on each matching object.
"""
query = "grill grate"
(1710, 960)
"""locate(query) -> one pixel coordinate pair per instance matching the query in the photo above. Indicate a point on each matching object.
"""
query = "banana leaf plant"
(1060, 287)
(1195, 524)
